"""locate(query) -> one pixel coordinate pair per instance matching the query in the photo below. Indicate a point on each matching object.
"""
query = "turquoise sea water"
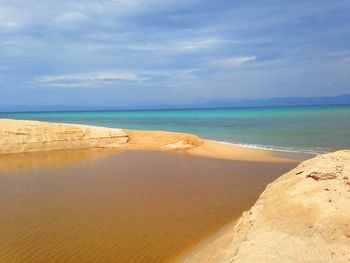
(303, 128)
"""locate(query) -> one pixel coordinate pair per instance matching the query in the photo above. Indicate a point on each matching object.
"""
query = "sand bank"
(20, 136)
(303, 216)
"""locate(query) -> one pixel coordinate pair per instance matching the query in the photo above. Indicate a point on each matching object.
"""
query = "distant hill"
(224, 103)
(278, 101)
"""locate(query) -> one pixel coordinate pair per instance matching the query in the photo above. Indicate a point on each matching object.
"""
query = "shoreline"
(220, 238)
(21, 136)
(268, 148)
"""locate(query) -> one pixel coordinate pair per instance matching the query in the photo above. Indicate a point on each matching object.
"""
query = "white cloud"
(233, 61)
(188, 45)
(88, 79)
(199, 44)
(71, 17)
(9, 24)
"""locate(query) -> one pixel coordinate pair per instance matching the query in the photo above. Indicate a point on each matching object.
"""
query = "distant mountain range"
(224, 103)
(278, 101)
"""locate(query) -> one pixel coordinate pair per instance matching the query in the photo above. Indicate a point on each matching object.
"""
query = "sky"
(127, 53)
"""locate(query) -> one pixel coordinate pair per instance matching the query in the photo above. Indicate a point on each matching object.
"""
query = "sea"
(308, 129)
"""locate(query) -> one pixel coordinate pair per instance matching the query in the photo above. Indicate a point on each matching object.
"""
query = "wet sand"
(126, 207)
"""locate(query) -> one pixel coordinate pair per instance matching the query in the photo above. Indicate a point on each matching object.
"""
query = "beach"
(19, 136)
(174, 131)
(86, 193)
(309, 129)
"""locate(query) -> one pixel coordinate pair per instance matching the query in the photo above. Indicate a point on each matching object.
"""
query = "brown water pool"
(125, 207)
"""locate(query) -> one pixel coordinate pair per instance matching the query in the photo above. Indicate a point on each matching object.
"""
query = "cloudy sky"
(132, 52)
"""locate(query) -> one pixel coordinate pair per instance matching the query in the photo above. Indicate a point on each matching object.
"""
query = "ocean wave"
(273, 148)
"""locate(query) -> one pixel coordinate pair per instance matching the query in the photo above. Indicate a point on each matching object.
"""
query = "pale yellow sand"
(303, 216)
(19, 136)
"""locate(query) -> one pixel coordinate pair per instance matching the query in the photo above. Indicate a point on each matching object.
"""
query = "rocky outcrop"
(303, 216)
(32, 136)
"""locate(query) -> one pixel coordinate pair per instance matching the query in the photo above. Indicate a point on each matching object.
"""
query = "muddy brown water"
(124, 207)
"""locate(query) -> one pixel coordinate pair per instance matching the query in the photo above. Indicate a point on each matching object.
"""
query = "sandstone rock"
(295, 219)
(31, 136)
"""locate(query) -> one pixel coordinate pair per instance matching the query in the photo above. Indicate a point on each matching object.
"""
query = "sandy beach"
(174, 131)
(196, 197)
(20, 136)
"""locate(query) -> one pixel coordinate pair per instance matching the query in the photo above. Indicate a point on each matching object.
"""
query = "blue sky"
(125, 53)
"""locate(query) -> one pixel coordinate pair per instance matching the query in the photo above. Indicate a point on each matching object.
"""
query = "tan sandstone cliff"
(30, 136)
(303, 216)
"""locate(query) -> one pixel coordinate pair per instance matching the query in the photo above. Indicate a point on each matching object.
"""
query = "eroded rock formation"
(31, 136)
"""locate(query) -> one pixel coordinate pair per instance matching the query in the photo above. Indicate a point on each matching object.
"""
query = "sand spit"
(20, 136)
(303, 216)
